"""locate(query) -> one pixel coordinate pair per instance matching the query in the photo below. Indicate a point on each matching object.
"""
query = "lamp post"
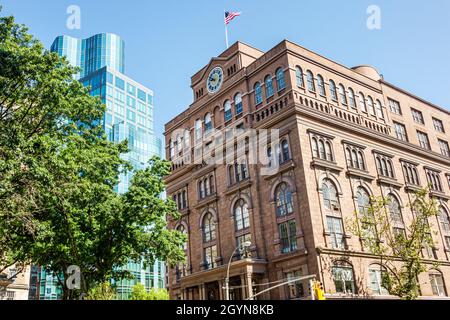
(245, 244)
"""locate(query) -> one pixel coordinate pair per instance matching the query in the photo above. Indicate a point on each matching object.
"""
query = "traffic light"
(318, 290)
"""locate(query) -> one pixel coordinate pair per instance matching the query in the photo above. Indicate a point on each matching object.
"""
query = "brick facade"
(301, 115)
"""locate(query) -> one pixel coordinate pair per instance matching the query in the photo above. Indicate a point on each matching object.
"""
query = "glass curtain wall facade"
(129, 116)
(91, 54)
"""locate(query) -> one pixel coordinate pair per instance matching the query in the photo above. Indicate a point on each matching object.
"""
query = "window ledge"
(360, 174)
(389, 181)
(320, 163)
(439, 194)
(411, 187)
(244, 184)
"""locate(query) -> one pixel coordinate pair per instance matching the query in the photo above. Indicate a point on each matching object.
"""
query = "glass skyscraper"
(91, 54)
(128, 116)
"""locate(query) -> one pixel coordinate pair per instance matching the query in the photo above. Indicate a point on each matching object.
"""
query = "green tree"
(399, 251)
(58, 171)
(103, 291)
(139, 293)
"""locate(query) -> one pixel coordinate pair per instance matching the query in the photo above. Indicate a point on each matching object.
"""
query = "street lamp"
(245, 244)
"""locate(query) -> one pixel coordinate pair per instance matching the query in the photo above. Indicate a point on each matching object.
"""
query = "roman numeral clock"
(215, 79)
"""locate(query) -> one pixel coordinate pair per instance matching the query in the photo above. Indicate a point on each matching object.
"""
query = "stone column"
(202, 292)
(249, 286)
(221, 290)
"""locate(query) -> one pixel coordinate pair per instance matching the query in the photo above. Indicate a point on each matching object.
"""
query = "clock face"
(215, 80)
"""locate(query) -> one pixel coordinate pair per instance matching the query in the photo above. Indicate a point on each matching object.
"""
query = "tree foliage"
(399, 253)
(102, 291)
(58, 171)
(139, 293)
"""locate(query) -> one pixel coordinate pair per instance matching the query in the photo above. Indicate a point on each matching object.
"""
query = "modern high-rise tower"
(129, 115)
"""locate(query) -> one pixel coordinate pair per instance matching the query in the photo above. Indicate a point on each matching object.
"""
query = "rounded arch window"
(284, 204)
(241, 215)
(330, 195)
(209, 228)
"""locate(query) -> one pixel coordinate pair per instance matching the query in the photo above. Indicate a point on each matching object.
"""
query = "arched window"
(333, 90)
(285, 150)
(310, 79)
(281, 83)
(299, 76)
(379, 108)
(207, 187)
(209, 228)
(437, 283)
(361, 164)
(238, 103)
(231, 173)
(342, 94)
(183, 230)
(370, 105)
(321, 85)
(351, 97)
(208, 123)
(315, 148)
(258, 93)
(187, 139)
(395, 209)
(198, 129)
(241, 215)
(227, 109)
(444, 220)
(269, 156)
(363, 200)
(362, 102)
(322, 153)
(184, 197)
(201, 188)
(330, 195)
(283, 200)
(172, 149)
(329, 153)
(343, 278)
(376, 279)
(269, 86)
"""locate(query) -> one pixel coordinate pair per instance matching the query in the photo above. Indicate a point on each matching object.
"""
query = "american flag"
(230, 16)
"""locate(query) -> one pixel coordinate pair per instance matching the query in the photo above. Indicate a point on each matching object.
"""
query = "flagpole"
(226, 29)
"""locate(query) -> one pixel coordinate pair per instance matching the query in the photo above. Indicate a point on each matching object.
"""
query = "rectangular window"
(109, 91)
(141, 107)
(131, 102)
(438, 125)
(443, 145)
(423, 140)
(131, 115)
(335, 229)
(120, 96)
(109, 78)
(150, 99)
(343, 280)
(210, 257)
(417, 116)
(400, 131)
(109, 105)
(288, 236)
(394, 106)
(119, 110)
(131, 89)
(141, 95)
(243, 252)
(447, 242)
(120, 83)
(295, 289)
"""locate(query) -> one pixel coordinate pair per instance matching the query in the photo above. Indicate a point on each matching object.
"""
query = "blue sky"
(168, 41)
